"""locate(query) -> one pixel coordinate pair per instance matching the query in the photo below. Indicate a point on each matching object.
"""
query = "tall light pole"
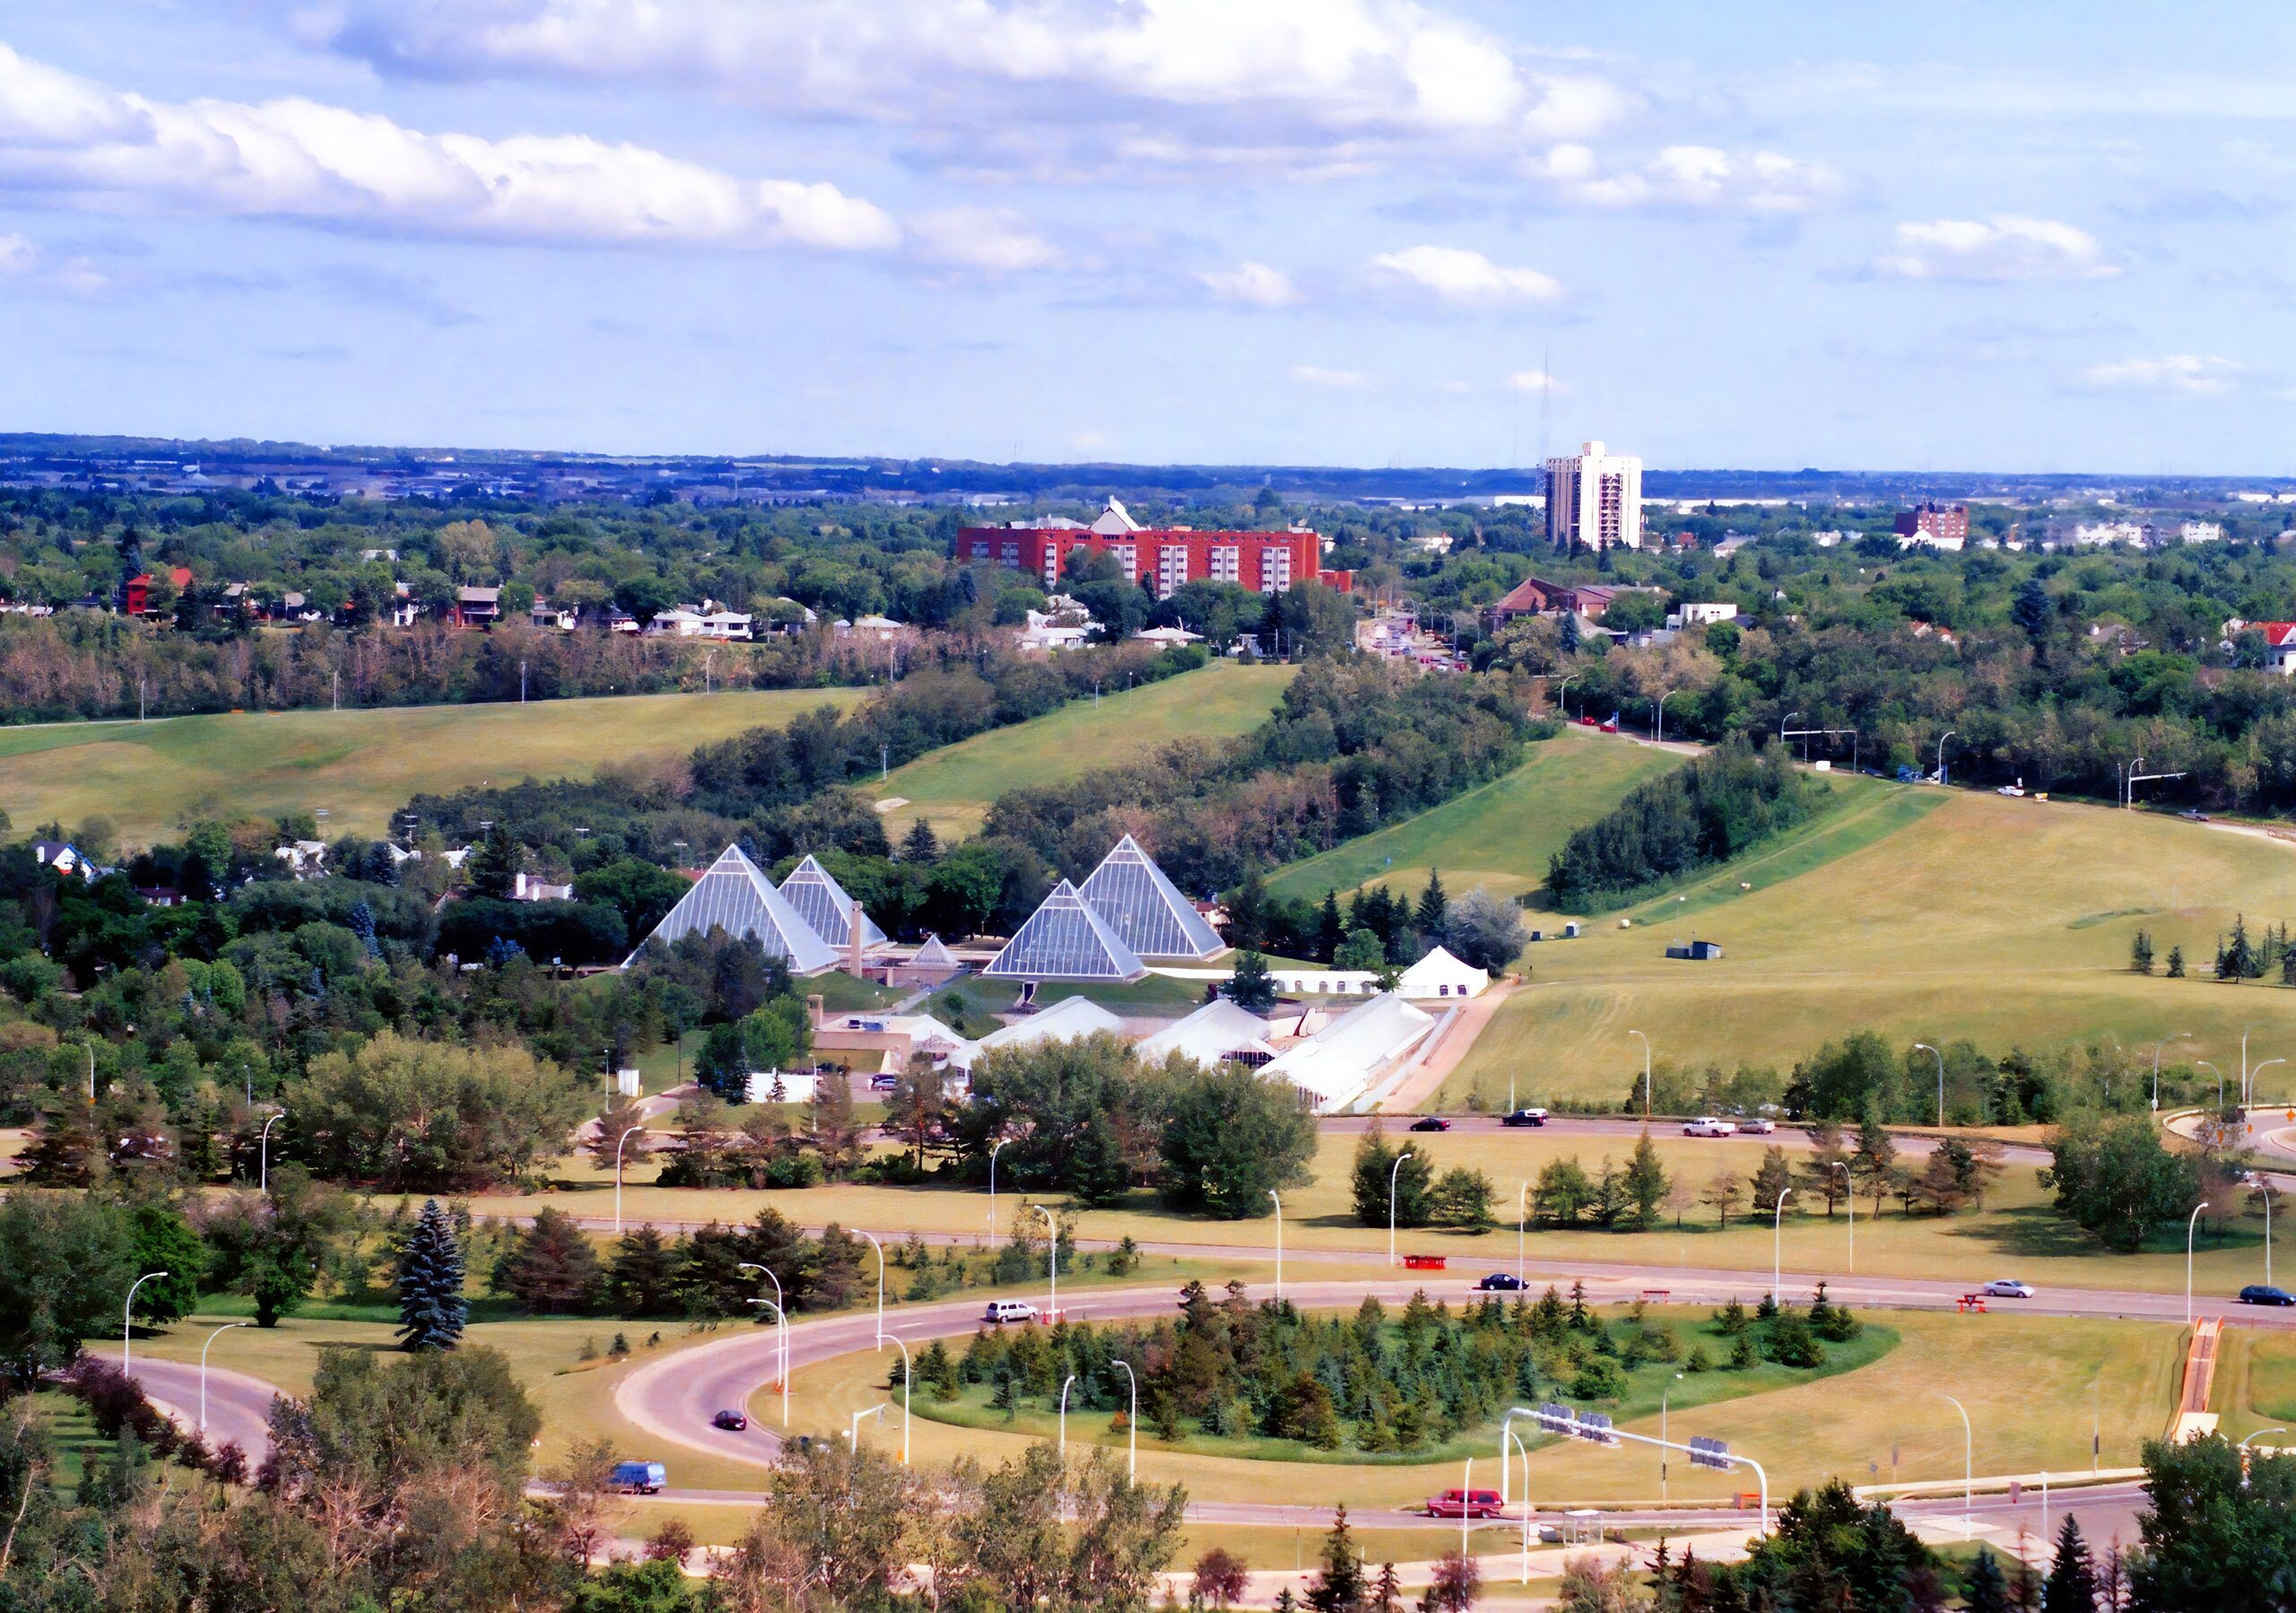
(618, 1141)
(1941, 1078)
(2157, 1046)
(2253, 1073)
(781, 1327)
(1466, 1489)
(1777, 1243)
(263, 1147)
(1131, 1425)
(1064, 1447)
(853, 1434)
(908, 1384)
(1522, 1213)
(2191, 1223)
(2204, 1064)
(1507, 1434)
(1645, 1073)
(91, 1073)
(204, 1348)
(1849, 1198)
(1969, 1467)
(1658, 729)
(1392, 1171)
(880, 1248)
(1664, 1391)
(1948, 734)
(1052, 1259)
(127, 1320)
(2264, 1186)
(2244, 1064)
(991, 1187)
(1277, 1199)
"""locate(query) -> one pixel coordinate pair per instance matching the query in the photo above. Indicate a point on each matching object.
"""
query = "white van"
(1002, 1311)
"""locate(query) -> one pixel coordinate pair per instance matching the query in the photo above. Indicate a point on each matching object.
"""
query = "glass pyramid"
(1065, 940)
(735, 897)
(1147, 912)
(822, 903)
(936, 954)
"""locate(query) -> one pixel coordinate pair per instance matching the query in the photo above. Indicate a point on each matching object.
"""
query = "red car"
(1466, 1504)
(1586, 721)
(1610, 727)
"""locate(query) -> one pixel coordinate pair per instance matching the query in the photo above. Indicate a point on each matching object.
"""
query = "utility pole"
(334, 689)
(522, 682)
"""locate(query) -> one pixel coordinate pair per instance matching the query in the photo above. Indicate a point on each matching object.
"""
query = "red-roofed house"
(138, 591)
(2279, 646)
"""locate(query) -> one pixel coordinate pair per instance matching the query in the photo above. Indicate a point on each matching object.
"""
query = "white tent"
(732, 895)
(1065, 940)
(1145, 909)
(822, 903)
(1071, 1019)
(1438, 975)
(1218, 1032)
(1340, 1063)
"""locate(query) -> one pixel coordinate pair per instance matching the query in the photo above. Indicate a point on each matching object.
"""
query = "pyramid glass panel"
(822, 903)
(1065, 940)
(735, 897)
(1145, 909)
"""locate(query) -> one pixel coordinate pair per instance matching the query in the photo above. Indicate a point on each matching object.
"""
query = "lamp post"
(1948, 734)
(2244, 1063)
(908, 1386)
(204, 1348)
(2264, 1186)
(92, 1073)
(263, 1147)
(2157, 1046)
(1849, 1198)
(2250, 1099)
(2191, 1222)
(618, 1142)
(1777, 1243)
(1064, 1447)
(1506, 1434)
(991, 1187)
(1052, 1237)
(1645, 1073)
(853, 1434)
(880, 1248)
(2204, 1064)
(1664, 1393)
(127, 1320)
(1941, 1078)
(1392, 1171)
(1131, 1425)
(1277, 1199)
(781, 1327)
(1466, 1489)
(1969, 1467)
(1658, 729)
(2244, 1451)
(1522, 1209)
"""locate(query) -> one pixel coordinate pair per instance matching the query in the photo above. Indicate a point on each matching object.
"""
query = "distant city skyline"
(2044, 239)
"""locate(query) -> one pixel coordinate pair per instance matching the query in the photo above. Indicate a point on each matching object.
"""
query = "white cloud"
(1338, 380)
(1254, 283)
(1689, 177)
(1535, 380)
(72, 139)
(2179, 374)
(25, 263)
(2004, 247)
(1459, 275)
(990, 239)
(17, 255)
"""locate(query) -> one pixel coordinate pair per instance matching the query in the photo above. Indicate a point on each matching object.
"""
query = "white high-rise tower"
(1594, 497)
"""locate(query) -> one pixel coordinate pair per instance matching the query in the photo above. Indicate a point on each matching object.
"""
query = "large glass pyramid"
(1147, 912)
(735, 897)
(822, 903)
(1065, 940)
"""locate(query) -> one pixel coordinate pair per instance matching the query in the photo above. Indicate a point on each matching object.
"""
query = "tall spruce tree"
(1985, 1590)
(2140, 952)
(920, 844)
(1330, 928)
(1432, 905)
(1646, 1182)
(431, 1309)
(1339, 1586)
(2072, 1584)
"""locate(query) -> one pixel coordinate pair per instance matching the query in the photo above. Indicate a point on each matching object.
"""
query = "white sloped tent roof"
(1071, 1019)
(1339, 1063)
(1440, 968)
(1147, 912)
(822, 903)
(732, 895)
(1065, 940)
(1215, 1032)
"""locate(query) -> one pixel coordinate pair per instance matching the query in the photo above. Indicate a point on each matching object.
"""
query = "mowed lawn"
(2255, 1387)
(1500, 834)
(951, 788)
(1922, 914)
(359, 766)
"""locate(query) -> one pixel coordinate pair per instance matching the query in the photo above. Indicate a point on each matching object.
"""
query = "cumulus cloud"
(990, 239)
(1337, 381)
(1462, 275)
(2179, 374)
(1689, 177)
(2006, 247)
(24, 264)
(70, 139)
(1254, 284)
(1535, 380)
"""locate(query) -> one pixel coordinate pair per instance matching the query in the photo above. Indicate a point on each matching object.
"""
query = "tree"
(1825, 1174)
(1432, 905)
(1875, 1156)
(1986, 1589)
(1329, 929)
(1724, 1188)
(1229, 1138)
(2072, 1584)
(1646, 1183)
(1251, 986)
(2177, 962)
(431, 1309)
(1360, 950)
(1376, 1168)
(920, 845)
(549, 1265)
(2140, 952)
(1590, 1586)
(2113, 1177)
(495, 863)
(2212, 1537)
(165, 1242)
(65, 1264)
(1486, 929)
(643, 1278)
(1462, 1198)
(917, 1112)
(1457, 1581)
(626, 1119)
(1773, 1178)
(658, 1584)
(1222, 1578)
(2033, 614)
(1338, 1586)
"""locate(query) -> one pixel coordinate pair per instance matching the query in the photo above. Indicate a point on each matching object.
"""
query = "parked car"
(2008, 1288)
(1758, 1125)
(638, 1477)
(1524, 1117)
(2193, 814)
(2010, 790)
(1586, 721)
(1502, 1282)
(1431, 1122)
(1710, 1126)
(883, 1083)
(2259, 1293)
(1611, 726)
(1002, 1311)
(1465, 1503)
(731, 1421)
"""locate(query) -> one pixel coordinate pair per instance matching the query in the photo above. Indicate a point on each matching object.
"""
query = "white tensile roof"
(1145, 909)
(1065, 940)
(1071, 1019)
(822, 903)
(1339, 1063)
(1214, 1033)
(1440, 968)
(735, 897)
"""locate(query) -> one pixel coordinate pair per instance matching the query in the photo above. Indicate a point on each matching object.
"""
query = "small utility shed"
(1701, 951)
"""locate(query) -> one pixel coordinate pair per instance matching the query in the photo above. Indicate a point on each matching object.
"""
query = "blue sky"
(2041, 237)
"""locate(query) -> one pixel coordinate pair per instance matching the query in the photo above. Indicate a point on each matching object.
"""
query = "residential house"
(619, 620)
(729, 625)
(883, 629)
(565, 618)
(63, 856)
(305, 859)
(684, 622)
(1701, 615)
(528, 887)
(477, 607)
(405, 608)
(1534, 597)
(137, 592)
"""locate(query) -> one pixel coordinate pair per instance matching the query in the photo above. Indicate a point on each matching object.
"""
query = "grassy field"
(952, 788)
(2032, 1403)
(1500, 834)
(2255, 1382)
(358, 766)
(1925, 915)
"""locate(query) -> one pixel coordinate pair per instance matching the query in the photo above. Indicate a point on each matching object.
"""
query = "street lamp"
(1392, 1171)
(1664, 1390)
(1645, 1073)
(880, 1248)
(2250, 1099)
(1777, 1241)
(1131, 1425)
(1941, 1078)
(204, 1348)
(1849, 1198)
(907, 1385)
(2204, 1064)
(2157, 1046)
(991, 1187)
(1507, 1434)
(1948, 734)
(1522, 1208)
(1658, 730)
(1052, 1237)
(1969, 1467)
(2191, 1222)
(618, 1141)
(853, 1434)
(781, 1327)
(1064, 1447)
(127, 1320)
(262, 1146)
(2264, 1186)
(2244, 1451)
(92, 1073)
(1277, 1199)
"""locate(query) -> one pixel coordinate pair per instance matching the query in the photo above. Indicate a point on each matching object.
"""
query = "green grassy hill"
(359, 766)
(952, 788)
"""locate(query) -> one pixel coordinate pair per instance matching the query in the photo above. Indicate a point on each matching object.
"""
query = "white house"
(1167, 636)
(1699, 615)
(63, 856)
(1439, 975)
(683, 623)
(565, 618)
(725, 625)
(526, 887)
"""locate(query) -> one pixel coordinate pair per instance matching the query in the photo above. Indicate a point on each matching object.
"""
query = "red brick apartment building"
(1161, 558)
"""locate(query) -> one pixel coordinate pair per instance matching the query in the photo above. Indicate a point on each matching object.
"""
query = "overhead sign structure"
(1709, 1453)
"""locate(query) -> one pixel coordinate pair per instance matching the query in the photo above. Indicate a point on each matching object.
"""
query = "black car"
(1503, 1282)
(731, 1421)
(1524, 1117)
(1431, 1122)
(2257, 1294)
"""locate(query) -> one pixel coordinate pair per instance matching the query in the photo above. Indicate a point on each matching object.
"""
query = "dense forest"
(1708, 811)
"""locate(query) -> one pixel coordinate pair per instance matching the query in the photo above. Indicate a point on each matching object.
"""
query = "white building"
(1441, 976)
(2107, 532)
(1700, 615)
(2202, 532)
(1594, 497)
(1339, 1064)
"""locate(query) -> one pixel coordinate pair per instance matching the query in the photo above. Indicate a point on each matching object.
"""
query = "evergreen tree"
(1646, 1182)
(1569, 638)
(2140, 952)
(549, 1265)
(495, 863)
(2033, 613)
(1329, 928)
(360, 921)
(1338, 1585)
(920, 845)
(2072, 1584)
(1874, 1156)
(1773, 1178)
(1387, 1595)
(2236, 960)
(431, 1309)
(2288, 966)
(642, 1280)
(1986, 1588)
(1251, 986)
(1432, 905)
(1248, 914)
(2175, 962)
